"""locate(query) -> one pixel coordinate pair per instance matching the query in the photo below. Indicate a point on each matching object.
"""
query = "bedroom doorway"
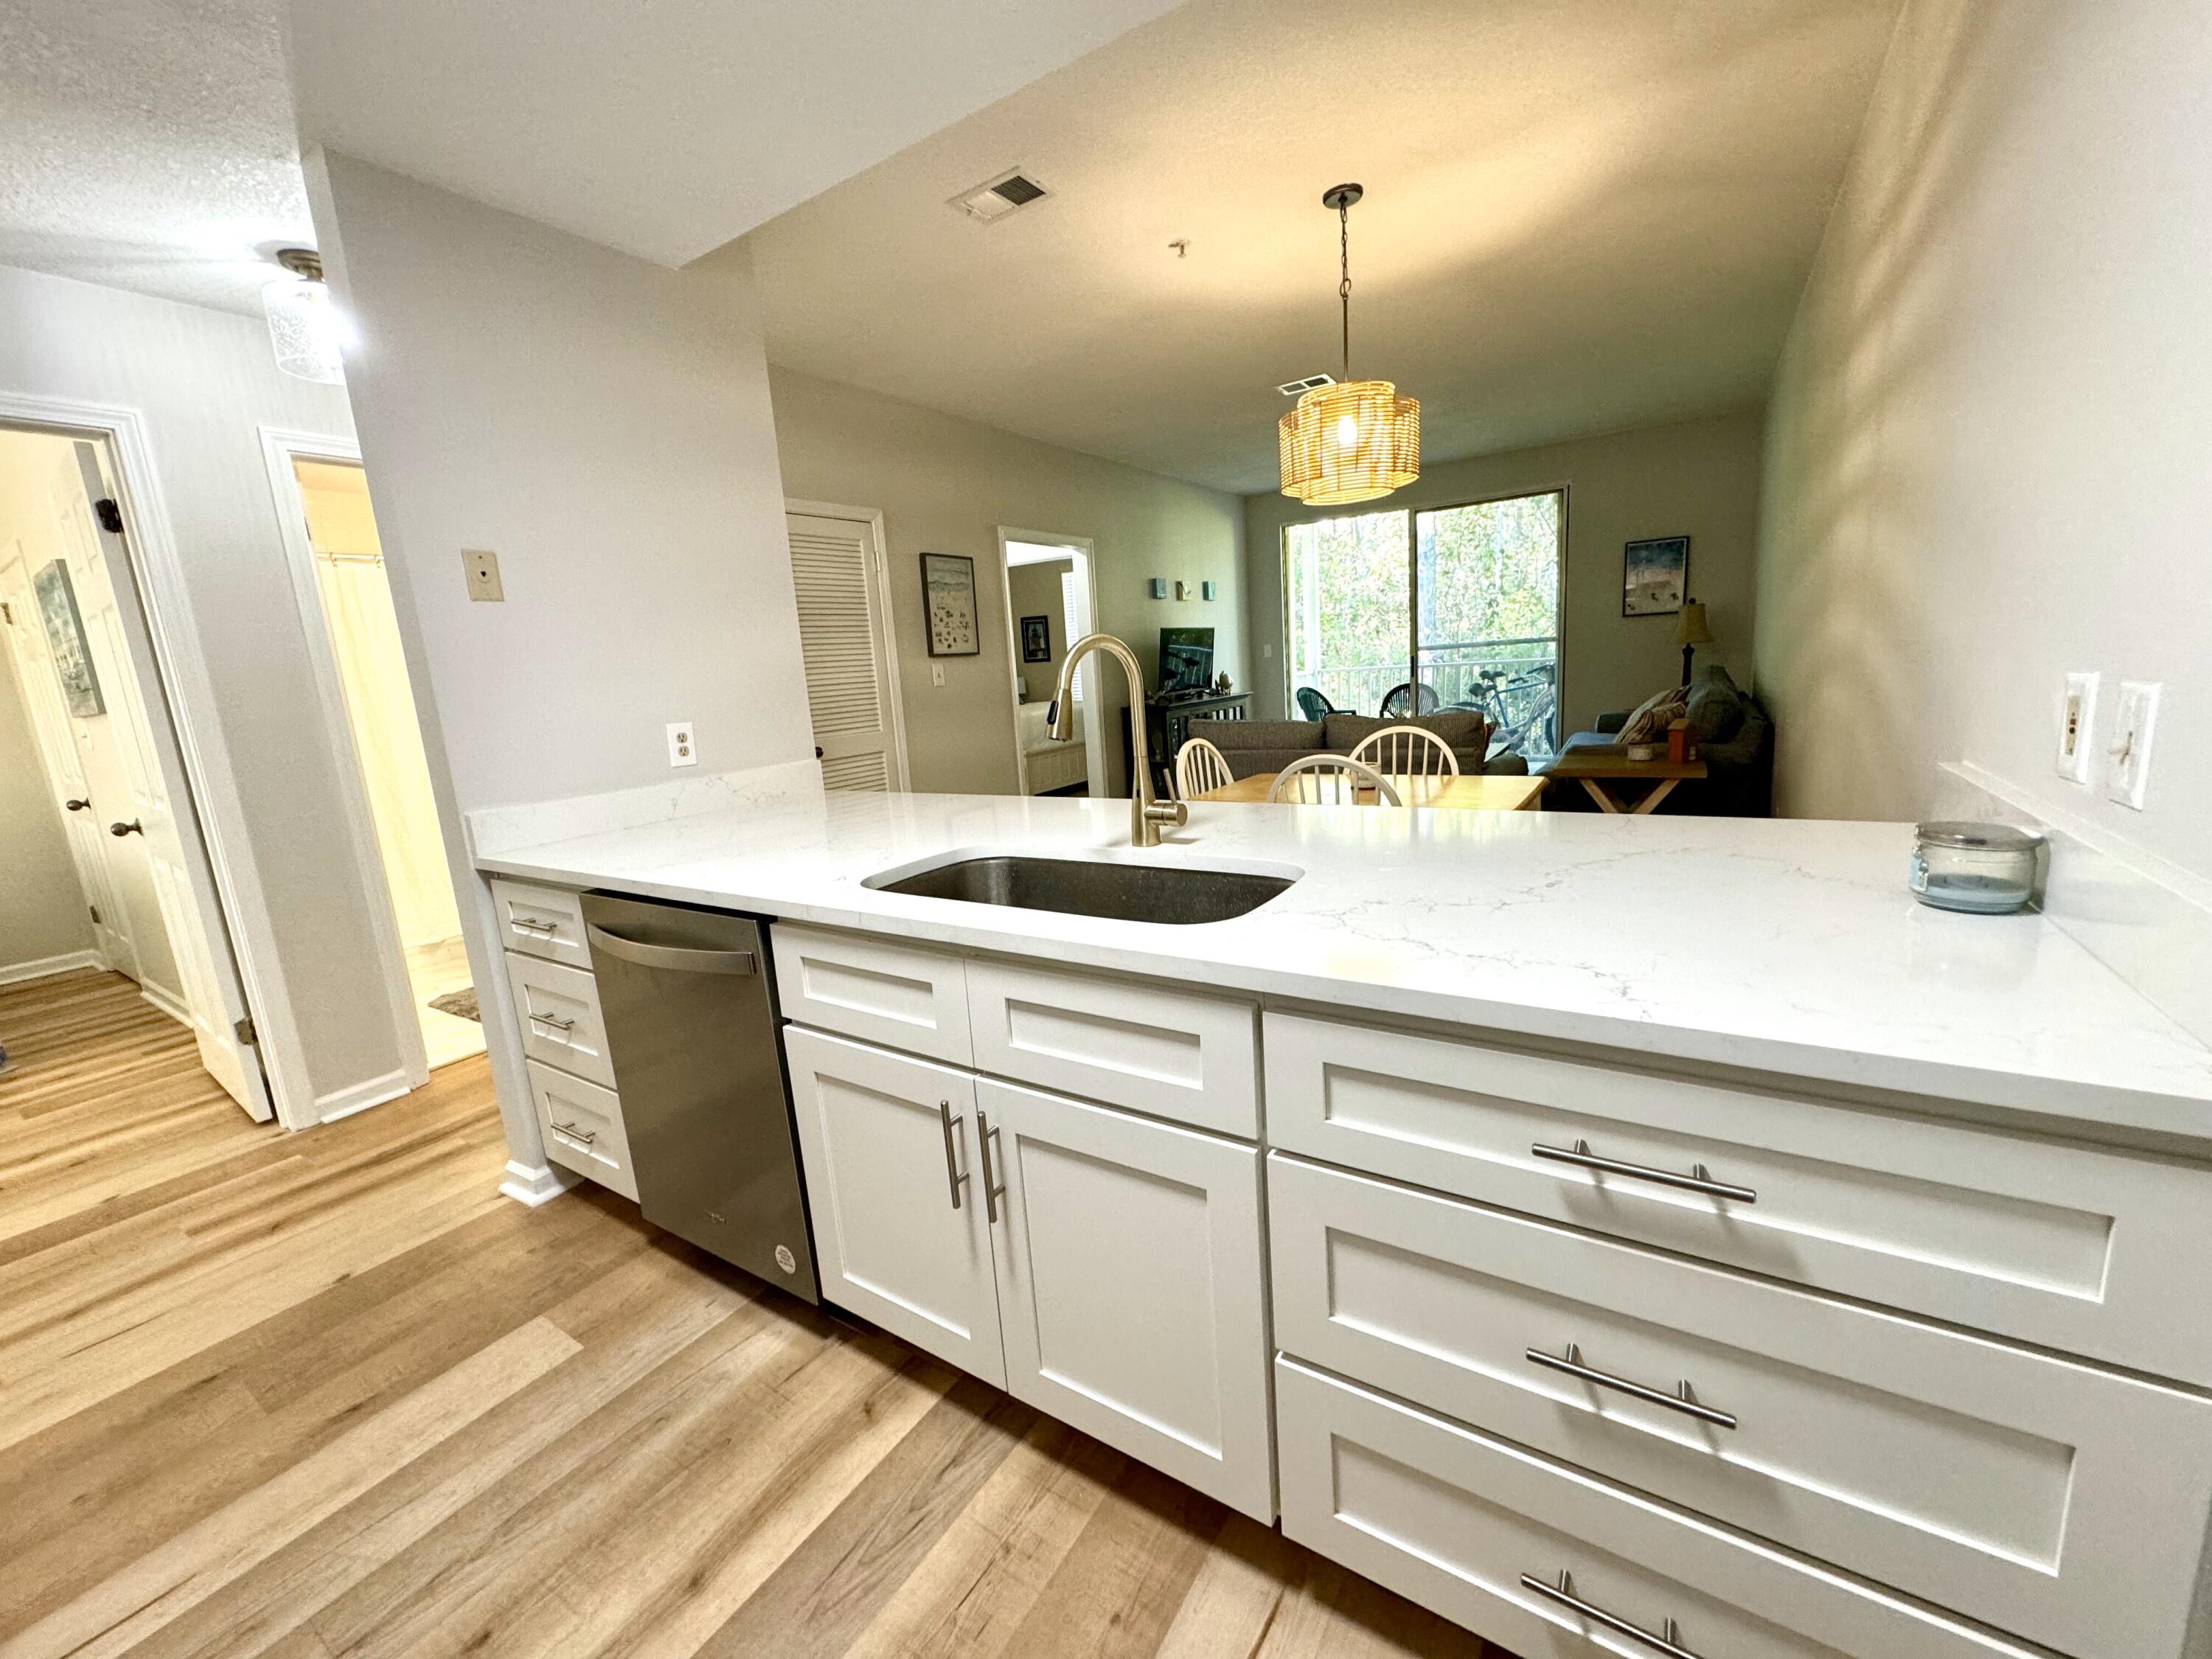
(1051, 598)
(345, 594)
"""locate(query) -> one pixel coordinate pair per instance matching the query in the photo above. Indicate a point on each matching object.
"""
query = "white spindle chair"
(1331, 779)
(1407, 752)
(1199, 766)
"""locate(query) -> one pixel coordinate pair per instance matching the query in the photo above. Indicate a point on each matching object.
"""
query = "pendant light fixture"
(1356, 439)
(303, 323)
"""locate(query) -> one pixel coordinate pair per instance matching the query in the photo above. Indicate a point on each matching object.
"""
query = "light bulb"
(1347, 432)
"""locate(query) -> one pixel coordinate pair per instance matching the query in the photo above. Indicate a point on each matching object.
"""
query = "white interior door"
(844, 636)
(208, 991)
(64, 762)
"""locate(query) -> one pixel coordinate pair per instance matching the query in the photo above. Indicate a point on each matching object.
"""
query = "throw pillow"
(1654, 715)
(1716, 707)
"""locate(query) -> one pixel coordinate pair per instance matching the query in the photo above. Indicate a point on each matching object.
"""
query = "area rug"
(463, 1002)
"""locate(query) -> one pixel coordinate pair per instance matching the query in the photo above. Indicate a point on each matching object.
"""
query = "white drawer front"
(559, 1011)
(912, 999)
(1190, 1058)
(582, 1126)
(2061, 1245)
(1453, 1520)
(2066, 1503)
(540, 922)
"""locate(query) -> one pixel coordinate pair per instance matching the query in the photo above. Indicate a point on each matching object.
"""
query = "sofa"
(1251, 746)
(1735, 738)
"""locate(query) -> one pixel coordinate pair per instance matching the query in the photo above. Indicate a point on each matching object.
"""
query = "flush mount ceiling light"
(303, 324)
(1356, 439)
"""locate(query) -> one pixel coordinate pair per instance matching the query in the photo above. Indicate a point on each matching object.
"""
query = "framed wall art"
(1655, 575)
(1036, 639)
(948, 597)
(65, 634)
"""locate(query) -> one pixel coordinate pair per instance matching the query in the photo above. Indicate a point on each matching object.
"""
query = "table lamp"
(1690, 631)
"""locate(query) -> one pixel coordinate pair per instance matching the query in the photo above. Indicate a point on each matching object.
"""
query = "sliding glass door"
(1456, 607)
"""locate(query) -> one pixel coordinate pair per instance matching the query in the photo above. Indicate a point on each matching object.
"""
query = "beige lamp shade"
(1352, 442)
(1690, 627)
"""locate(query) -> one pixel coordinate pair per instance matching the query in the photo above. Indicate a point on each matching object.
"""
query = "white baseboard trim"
(168, 1004)
(534, 1187)
(344, 1103)
(41, 968)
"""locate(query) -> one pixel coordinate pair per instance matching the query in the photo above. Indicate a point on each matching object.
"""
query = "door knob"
(133, 828)
(77, 806)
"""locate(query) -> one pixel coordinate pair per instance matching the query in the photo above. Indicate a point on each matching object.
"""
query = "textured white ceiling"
(1582, 216)
(666, 128)
(149, 144)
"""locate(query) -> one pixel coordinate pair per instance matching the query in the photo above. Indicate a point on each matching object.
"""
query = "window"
(1453, 607)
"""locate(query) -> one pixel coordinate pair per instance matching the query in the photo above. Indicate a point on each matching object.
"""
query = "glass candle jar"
(1987, 868)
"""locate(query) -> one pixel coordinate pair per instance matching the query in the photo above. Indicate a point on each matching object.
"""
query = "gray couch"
(1251, 746)
(1735, 740)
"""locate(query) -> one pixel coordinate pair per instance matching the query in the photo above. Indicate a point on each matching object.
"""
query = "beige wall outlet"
(482, 568)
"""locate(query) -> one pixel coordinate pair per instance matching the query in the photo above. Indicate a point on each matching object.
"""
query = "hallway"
(329, 1394)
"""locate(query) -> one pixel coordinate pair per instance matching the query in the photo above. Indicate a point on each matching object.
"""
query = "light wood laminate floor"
(329, 1394)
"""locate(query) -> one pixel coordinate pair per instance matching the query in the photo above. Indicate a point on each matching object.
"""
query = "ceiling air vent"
(1295, 388)
(1000, 197)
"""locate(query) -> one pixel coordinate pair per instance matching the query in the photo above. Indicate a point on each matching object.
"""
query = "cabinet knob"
(77, 806)
(133, 828)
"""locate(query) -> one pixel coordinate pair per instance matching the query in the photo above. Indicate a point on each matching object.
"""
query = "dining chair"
(1407, 752)
(1199, 766)
(1330, 780)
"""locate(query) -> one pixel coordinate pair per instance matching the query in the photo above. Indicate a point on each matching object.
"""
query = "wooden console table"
(1168, 724)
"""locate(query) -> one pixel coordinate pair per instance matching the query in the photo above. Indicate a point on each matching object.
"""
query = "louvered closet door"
(843, 623)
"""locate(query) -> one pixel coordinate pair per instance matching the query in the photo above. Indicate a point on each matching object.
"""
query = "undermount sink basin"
(1124, 891)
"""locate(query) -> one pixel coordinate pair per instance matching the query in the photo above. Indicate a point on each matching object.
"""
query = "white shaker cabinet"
(894, 1185)
(1130, 1285)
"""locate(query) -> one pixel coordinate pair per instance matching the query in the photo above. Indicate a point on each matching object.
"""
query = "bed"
(1047, 765)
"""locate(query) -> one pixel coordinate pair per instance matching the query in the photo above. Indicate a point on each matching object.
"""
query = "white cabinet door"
(1130, 1285)
(900, 1233)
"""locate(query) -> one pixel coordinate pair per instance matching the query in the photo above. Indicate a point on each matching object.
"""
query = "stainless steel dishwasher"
(691, 1029)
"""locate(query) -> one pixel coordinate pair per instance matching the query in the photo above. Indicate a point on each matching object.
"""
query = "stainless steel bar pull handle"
(1697, 1181)
(558, 1022)
(992, 1191)
(1563, 1594)
(953, 1179)
(532, 925)
(675, 958)
(587, 1136)
(1571, 1364)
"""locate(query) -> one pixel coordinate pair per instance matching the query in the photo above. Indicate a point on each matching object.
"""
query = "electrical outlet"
(2077, 719)
(681, 751)
(2134, 719)
(936, 673)
(482, 568)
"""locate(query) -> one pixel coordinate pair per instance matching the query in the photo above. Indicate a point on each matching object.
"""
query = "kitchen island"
(1569, 1221)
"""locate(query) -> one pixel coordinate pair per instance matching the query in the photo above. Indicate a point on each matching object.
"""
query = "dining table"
(1485, 791)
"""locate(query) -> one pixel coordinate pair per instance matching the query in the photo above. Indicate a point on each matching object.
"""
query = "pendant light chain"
(1344, 288)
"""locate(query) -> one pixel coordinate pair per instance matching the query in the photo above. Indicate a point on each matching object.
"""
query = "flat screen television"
(1186, 660)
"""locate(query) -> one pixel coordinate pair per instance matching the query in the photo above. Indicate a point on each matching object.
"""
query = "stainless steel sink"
(1175, 894)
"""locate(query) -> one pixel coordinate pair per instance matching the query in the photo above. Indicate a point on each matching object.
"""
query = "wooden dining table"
(1486, 792)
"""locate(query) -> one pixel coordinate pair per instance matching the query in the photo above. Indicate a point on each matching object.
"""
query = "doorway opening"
(369, 704)
(1051, 599)
(105, 869)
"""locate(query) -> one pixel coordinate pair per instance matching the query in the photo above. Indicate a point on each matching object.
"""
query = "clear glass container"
(1987, 868)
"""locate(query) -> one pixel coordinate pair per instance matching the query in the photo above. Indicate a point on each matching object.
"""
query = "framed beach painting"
(65, 634)
(948, 597)
(1655, 575)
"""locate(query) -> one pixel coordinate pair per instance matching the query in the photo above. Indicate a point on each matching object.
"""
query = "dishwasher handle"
(675, 958)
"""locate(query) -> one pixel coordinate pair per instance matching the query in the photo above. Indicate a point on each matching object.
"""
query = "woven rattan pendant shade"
(1355, 440)
(1350, 442)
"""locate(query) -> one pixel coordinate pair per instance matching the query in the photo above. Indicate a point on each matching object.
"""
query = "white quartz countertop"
(1786, 946)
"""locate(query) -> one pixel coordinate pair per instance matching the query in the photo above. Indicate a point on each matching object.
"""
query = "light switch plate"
(683, 751)
(2134, 720)
(936, 673)
(2078, 721)
(482, 568)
